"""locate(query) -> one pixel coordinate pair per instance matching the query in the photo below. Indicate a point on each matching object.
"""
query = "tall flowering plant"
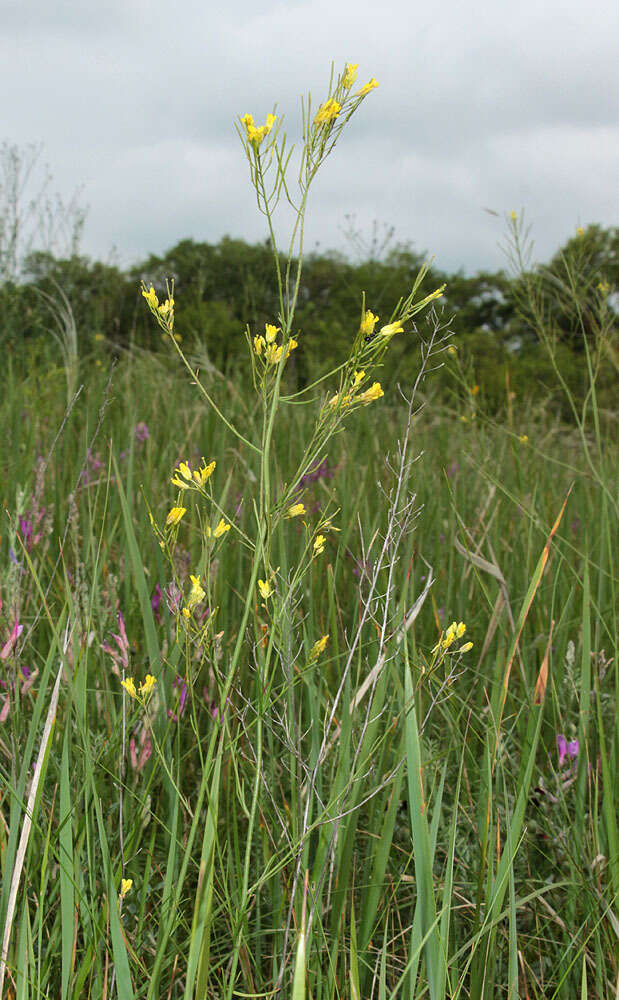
(268, 625)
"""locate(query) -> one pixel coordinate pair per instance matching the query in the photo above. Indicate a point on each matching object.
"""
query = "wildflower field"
(308, 690)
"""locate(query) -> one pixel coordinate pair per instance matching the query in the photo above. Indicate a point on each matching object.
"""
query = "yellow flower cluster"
(256, 133)
(220, 530)
(265, 589)
(125, 886)
(185, 479)
(369, 322)
(350, 75)
(196, 593)
(144, 689)
(374, 392)
(297, 510)
(327, 112)
(455, 631)
(367, 87)
(318, 648)
(163, 311)
(175, 515)
(319, 545)
(266, 346)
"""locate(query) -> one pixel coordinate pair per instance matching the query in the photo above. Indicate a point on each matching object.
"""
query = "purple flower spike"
(25, 526)
(11, 642)
(141, 432)
(156, 602)
(566, 750)
(120, 655)
(178, 684)
(561, 747)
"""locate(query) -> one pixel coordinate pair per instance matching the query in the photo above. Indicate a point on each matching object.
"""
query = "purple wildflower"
(25, 526)
(141, 432)
(322, 471)
(11, 642)
(178, 684)
(146, 749)
(120, 656)
(155, 602)
(566, 749)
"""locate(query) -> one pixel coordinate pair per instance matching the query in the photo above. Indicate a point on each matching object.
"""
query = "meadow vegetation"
(308, 637)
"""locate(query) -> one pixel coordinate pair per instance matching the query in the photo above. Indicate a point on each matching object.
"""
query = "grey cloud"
(497, 106)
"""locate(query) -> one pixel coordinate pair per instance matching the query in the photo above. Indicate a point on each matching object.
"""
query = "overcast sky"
(496, 105)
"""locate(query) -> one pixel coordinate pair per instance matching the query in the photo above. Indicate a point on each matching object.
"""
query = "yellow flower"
(452, 350)
(524, 438)
(273, 354)
(319, 544)
(265, 589)
(604, 287)
(185, 471)
(296, 510)
(151, 297)
(467, 646)
(350, 75)
(129, 686)
(357, 379)
(147, 686)
(291, 346)
(259, 344)
(202, 475)
(367, 87)
(270, 332)
(186, 613)
(318, 648)
(179, 483)
(580, 231)
(335, 400)
(374, 392)
(455, 631)
(436, 294)
(175, 515)
(474, 390)
(196, 593)
(256, 134)
(391, 329)
(221, 529)
(99, 337)
(513, 215)
(166, 309)
(327, 112)
(368, 323)
(125, 886)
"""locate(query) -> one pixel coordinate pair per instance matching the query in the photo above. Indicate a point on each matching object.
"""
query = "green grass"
(379, 753)
(421, 840)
